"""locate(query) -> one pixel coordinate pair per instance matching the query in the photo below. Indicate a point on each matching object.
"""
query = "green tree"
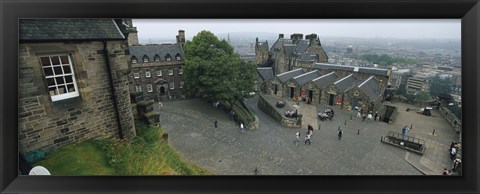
(440, 86)
(212, 69)
(423, 97)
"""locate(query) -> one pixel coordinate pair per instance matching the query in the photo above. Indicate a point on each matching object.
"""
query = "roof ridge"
(340, 80)
(323, 76)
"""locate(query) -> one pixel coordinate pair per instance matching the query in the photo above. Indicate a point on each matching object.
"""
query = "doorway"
(331, 99)
(292, 92)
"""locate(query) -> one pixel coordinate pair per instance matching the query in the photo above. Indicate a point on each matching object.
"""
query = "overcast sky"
(405, 29)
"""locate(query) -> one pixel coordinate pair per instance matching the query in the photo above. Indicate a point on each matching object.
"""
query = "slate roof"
(325, 80)
(367, 70)
(302, 46)
(369, 87)
(346, 83)
(266, 73)
(262, 45)
(306, 77)
(68, 29)
(158, 49)
(307, 57)
(284, 77)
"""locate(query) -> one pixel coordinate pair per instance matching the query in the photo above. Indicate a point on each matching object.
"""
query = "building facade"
(157, 69)
(417, 84)
(73, 82)
(328, 84)
(288, 54)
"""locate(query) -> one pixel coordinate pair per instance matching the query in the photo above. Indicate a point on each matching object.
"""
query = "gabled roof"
(158, 49)
(325, 80)
(69, 29)
(367, 70)
(284, 77)
(369, 87)
(262, 45)
(306, 77)
(266, 73)
(307, 57)
(301, 46)
(346, 83)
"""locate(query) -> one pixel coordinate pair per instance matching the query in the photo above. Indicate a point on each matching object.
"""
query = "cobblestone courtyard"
(271, 148)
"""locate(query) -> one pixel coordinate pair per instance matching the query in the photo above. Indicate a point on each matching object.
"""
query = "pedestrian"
(215, 123)
(404, 131)
(376, 115)
(453, 153)
(310, 129)
(364, 117)
(359, 113)
(297, 137)
(160, 105)
(340, 133)
(241, 128)
(445, 171)
(307, 139)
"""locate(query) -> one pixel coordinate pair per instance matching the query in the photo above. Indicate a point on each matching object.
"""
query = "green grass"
(78, 159)
(146, 154)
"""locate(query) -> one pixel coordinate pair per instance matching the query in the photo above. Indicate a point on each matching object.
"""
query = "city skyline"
(354, 28)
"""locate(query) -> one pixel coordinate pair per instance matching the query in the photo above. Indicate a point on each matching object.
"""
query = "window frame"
(171, 85)
(138, 88)
(149, 88)
(168, 57)
(136, 75)
(134, 60)
(180, 71)
(178, 57)
(54, 77)
(159, 73)
(181, 84)
(145, 59)
(148, 74)
(171, 71)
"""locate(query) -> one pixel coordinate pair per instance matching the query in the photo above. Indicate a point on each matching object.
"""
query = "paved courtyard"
(271, 148)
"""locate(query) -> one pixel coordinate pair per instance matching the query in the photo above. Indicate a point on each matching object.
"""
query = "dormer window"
(145, 59)
(157, 58)
(168, 58)
(134, 59)
(178, 58)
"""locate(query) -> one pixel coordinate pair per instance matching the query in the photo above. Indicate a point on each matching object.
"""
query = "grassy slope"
(148, 154)
(78, 159)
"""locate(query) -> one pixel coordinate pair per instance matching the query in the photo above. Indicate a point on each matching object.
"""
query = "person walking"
(215, 123)
(307, 139)
(453, 154)
(404, 131)
(340, 133)
(297, 138)
(241, 128)
(376, 115)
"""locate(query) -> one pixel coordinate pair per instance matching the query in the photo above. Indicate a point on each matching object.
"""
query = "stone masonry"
(43, 123)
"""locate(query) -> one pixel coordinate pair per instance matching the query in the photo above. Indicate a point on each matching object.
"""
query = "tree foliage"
(212, 69)
(423, 97)
(440, 86)
(385, 60)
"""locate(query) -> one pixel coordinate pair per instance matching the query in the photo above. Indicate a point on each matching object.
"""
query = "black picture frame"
(467, 10)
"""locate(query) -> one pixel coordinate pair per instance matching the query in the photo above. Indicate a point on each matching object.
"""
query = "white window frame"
(171, 85)
(67, 95)
(148, 74)
(181, 84)
(145, 59)
(136, 75)
(134, 60)
(168, 58)
(179, 58)
(170, 71)
(159, 73)
(180, 71)
(149, 88)
(138, 88)
(156, 58)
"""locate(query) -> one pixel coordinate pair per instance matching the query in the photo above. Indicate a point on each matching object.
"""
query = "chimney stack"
(280, 36)
(296, 37)
(181, 37)
(313, 39)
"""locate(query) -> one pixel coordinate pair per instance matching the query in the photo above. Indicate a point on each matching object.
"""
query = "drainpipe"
(112, 89)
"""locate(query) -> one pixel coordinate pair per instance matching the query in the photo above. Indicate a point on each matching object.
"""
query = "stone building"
(73, 82)
(328, 84)
(157, 69)
(288, 54)
(417, 84)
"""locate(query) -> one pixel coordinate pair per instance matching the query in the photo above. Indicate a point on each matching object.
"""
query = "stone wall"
(270, 109)
(153, 67)
(43, 123)
(451, 118)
